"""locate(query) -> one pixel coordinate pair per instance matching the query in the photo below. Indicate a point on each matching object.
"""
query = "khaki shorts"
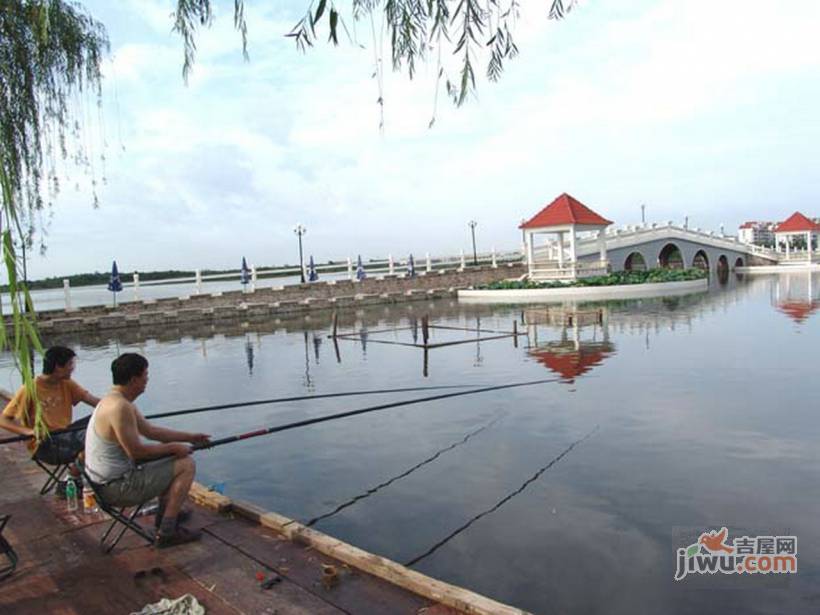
(144, 482)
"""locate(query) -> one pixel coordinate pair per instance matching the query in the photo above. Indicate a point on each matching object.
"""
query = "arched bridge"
(648, 246)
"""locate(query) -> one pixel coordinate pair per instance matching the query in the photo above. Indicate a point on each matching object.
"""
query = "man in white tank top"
(131, 471)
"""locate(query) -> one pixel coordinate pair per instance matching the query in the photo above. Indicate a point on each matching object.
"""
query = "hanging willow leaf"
(334, 22)
(414, 27)
(50, 52)
(319, 11)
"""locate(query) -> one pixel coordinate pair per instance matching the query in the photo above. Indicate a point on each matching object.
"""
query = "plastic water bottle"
(89, 500)
(71, 495)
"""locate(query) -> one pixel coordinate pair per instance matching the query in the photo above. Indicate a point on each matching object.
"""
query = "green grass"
(616, 278)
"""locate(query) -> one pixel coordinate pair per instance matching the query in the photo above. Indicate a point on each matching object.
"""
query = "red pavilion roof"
(571, 363)
(798, 311)
(796, 223)
(565, 210)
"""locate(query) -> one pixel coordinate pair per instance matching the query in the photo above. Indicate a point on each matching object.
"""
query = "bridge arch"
(722, 269)
(701, 260)
(635, 262)
(670, 257)
(738, 262)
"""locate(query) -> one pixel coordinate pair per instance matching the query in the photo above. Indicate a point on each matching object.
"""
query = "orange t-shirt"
(56, 399)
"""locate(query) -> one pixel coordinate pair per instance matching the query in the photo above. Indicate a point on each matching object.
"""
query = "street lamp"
(472, 224)
(301, 230)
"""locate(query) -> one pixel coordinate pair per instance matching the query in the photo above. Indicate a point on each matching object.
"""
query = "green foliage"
(615, 278)
(469, 29)
(50, 51)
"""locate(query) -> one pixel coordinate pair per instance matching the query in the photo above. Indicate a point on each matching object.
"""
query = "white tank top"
(104, 461)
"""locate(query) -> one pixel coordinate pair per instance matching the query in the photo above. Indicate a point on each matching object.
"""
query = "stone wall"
(273, 302)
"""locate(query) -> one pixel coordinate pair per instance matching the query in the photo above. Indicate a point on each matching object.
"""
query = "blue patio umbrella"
(312, 275)
(411, 267)
(360, 274)
(114, 283)
(244, 276)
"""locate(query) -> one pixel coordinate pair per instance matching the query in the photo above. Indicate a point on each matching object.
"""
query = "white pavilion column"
(572, 253)
(530, 254)
(602, 244)
(560, 249)
(788, 247)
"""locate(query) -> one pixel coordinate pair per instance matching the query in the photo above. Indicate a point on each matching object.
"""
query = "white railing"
(629, 235)
(333, 270)
(551, 270)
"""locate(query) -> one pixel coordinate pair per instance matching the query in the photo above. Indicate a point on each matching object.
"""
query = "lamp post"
(643, 213)
(472, 224)
(301, 230)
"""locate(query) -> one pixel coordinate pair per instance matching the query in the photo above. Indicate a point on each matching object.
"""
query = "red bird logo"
(714, 541)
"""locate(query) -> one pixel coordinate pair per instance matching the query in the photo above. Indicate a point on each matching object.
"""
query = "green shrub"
(616, 278)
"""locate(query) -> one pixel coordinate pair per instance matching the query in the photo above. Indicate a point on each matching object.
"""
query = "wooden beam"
(381, 567)
(209, 499)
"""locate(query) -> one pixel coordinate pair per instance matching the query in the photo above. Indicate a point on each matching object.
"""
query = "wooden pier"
(62, 570)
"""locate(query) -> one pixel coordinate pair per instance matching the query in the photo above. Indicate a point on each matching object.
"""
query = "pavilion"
(796, 225)
(564, 216)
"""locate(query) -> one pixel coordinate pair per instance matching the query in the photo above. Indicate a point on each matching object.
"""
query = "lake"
(670, 418)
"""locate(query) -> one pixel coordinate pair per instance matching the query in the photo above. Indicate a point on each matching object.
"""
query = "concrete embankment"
(584, 293)
(272, 302)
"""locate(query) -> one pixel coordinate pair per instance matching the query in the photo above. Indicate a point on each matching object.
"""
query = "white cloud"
(669, 101)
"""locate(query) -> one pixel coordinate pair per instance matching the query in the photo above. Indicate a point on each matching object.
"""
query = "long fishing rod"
(367, 410)
(258, 402)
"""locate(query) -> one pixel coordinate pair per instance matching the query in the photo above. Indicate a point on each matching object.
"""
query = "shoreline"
(584, 293)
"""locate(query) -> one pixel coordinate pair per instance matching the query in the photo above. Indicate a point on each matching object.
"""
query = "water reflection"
(795, 295)
(651, 477)
(248, 354)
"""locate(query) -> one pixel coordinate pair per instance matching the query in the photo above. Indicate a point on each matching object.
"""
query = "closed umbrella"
(312, 275)
(360, 274)
(114, 283)
(244, 274)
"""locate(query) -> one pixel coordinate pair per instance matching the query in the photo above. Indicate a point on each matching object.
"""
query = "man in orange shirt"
(58, 394)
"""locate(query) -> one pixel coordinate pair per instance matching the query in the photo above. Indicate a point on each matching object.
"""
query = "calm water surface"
(686, 414)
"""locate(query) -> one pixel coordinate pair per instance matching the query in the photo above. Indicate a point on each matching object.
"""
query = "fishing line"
(500, 503)
(259, 402)
(373, 490)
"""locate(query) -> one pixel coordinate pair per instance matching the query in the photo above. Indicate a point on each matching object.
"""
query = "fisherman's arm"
(79, 394)
(91, 400)
(9, 419)
(124, 423)
(163, 434)
(15, 427)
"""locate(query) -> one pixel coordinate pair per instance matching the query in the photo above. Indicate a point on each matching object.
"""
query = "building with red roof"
(564, 216)
(796, 225)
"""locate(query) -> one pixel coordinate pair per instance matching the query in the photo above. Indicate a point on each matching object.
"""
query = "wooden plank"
(209, 499)
(353, 591)
(438, 591)
(227, 572)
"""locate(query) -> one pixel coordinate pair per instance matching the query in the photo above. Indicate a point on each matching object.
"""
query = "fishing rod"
(366, 410)
(258, 402)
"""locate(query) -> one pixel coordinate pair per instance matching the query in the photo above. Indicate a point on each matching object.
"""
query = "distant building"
(758, 233)
(761, 233)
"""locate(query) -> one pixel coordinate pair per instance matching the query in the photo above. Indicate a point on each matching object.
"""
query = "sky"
(699, 109)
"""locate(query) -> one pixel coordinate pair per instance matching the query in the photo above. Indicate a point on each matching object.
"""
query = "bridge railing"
(551, 270)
